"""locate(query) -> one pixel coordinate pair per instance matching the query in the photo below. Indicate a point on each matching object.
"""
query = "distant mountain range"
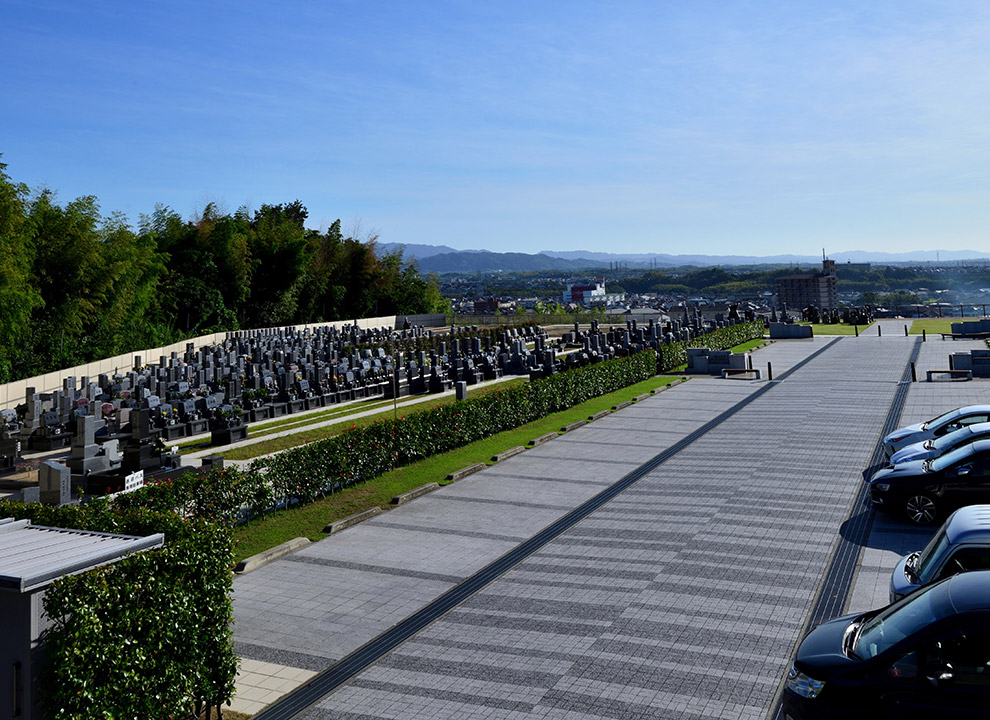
(444, 259)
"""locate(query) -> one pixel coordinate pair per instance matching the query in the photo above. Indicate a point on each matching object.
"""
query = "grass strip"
(309, 520)
(932, 325)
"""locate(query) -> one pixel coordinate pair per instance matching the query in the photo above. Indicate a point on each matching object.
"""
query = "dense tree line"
(76, 286)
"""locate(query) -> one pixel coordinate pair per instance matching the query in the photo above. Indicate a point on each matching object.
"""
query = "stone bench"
(337, 525)
(465, 471)
(263, 558)
(506, 454)
(967, 336)
(735, 372)
(953, 374)
(414, 493)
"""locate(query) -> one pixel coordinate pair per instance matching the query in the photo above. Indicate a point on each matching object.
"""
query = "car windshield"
(900, 620)
(947, 442)
(927, 562)
(944, 417)
(951, 458)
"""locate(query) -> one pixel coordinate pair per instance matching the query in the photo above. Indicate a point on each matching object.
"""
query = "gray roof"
(32, 556)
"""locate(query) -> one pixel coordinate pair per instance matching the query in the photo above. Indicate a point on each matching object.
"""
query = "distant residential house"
(809, 289)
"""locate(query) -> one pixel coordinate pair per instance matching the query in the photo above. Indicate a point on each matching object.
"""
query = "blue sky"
(676, 127)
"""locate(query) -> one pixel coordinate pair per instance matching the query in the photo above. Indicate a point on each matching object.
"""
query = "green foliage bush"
(148, 636)
(675, 354)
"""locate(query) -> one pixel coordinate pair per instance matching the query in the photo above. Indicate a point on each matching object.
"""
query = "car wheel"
(921, 509)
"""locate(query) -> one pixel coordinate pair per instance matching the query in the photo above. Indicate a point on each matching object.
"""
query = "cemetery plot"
(119, 424)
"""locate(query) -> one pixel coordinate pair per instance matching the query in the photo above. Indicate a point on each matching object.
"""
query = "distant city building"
(812, 289)
(585, 293)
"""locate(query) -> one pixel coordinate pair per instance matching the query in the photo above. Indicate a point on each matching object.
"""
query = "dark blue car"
(924, 657)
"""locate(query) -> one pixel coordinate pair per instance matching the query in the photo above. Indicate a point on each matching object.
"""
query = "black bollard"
(914, 375)
(924, 335)
(769, 371)
(905, 331)
(879, 330)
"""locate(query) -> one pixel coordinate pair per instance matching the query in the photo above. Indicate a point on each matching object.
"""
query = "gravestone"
(55, 481)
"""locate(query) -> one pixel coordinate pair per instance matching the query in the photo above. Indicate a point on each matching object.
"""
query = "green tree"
(18, 298)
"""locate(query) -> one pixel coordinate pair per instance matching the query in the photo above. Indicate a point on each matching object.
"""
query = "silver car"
(961, 544)
(933, 447)
(936, 427)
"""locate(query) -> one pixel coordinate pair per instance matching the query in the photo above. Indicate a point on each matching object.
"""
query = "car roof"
(969, 524)
(963, 451)
(969, 591)
(951, 415)
(982, 428)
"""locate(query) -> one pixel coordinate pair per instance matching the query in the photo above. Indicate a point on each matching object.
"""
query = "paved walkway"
(683, 597)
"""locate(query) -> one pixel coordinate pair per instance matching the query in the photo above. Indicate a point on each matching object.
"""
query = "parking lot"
(683, 596)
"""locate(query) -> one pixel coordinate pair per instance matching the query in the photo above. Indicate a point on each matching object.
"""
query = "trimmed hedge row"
(675, 354)
(148, 636)
(308, 472)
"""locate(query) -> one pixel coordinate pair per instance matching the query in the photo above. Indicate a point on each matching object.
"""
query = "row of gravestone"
(249, 377)
(121, 423)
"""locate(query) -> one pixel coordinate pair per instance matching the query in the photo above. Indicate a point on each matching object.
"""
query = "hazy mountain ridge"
(442, 258)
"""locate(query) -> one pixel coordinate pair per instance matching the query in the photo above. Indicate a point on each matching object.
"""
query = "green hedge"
(307, 472)
(148, 636)
(674, 355)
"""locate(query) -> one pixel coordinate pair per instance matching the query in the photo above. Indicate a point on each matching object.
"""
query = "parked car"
(933, 447)
(924, 657)
(960, 545)
(936, 427)
(923, 488)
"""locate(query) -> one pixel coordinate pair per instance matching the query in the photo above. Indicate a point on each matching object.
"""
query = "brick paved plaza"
(683, 597)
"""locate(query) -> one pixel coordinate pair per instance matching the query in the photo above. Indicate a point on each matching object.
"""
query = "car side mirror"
(965, 470)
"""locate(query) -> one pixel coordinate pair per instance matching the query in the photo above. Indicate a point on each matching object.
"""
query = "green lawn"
(309, 520)
(932, 326)
(837, 329)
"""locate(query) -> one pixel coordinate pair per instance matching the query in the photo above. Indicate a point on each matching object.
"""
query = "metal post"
(856, 328)
(769, 371)
(905, 331)
(924, 335)
(914, 375)
(395, 390)
(879, 330)
(952, 365)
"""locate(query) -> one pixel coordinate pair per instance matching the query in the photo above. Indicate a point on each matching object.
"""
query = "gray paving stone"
(683, 597)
